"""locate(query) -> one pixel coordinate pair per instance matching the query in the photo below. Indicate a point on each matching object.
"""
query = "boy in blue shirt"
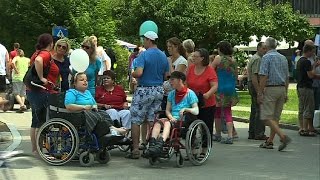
(180, 100)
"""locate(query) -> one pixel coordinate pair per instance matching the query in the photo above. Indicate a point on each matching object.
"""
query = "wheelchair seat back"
(57, 109)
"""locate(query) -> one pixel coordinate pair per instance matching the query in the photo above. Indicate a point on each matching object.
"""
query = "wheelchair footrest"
(109, 139)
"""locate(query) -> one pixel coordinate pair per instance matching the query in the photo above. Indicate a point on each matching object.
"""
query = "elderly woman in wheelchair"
(182, 104)
(75, 126)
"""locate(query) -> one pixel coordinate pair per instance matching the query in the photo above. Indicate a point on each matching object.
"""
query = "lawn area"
(292, 105)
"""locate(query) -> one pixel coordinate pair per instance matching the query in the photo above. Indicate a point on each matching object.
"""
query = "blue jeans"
(39, 103)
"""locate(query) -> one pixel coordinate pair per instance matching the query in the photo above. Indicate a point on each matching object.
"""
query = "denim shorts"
(39, 103)
(146, 101)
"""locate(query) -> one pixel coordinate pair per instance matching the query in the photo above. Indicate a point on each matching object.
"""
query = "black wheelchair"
(64, 137)
(188, 133)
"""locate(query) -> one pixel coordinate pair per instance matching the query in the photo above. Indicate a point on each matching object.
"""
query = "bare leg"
(33, 135)
(230, 129)
(135, 133)
(166, 130)
(144, 131)
(19, 100)
(274, 126)
(156, 130)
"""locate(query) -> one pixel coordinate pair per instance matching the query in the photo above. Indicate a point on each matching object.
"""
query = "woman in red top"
(39, 98)
(113, 99)
(202, 79)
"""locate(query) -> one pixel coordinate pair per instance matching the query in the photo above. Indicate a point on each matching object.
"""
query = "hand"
(94, 109)
(44, 80)
(206, 96)
(182, 111)
(173, 119)
(107, 106)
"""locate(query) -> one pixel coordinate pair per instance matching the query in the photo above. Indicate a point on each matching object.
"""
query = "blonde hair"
(64, 40)
(188, 45)
(90, 42)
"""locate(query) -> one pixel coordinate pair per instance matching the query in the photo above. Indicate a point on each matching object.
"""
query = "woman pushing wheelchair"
(181, 100)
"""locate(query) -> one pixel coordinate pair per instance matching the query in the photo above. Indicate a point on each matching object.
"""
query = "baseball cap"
(151, 35)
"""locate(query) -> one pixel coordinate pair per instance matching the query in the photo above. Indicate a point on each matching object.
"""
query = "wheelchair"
(188, 133)
(64, 137)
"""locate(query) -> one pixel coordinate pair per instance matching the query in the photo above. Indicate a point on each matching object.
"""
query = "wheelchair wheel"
(103, 156)
(86, 159)
(198, 142)
(179, 160)
(57, 141)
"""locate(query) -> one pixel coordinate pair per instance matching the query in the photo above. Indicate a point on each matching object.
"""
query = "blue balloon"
(148, 26)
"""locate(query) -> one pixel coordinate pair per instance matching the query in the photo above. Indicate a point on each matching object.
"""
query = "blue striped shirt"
(275, 66)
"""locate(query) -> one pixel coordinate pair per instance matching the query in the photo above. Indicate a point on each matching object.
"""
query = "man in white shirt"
(4, 60)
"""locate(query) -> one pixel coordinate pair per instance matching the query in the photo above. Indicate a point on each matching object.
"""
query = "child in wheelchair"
(180, 100)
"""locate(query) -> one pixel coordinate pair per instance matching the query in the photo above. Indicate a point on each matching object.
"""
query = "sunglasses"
(63, 47)
(85, 47)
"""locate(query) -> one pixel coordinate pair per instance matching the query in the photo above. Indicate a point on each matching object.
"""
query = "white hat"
(151, 35)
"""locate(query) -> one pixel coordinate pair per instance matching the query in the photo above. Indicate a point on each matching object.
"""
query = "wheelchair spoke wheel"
(198, 142)
(103, 156)
(86, 159)
(57, 141)
(179, 160)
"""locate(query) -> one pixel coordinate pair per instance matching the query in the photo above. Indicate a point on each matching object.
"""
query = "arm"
(262, 85)
(168, 112)
(39, 68)
(181, 68)
(137, 72)
(193, 110)
(255, 82)
(76, 107)
(213, 89)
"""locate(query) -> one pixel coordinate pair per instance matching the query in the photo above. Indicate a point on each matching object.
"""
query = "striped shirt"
(275, 66)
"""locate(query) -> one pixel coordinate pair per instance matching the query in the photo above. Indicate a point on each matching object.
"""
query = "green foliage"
(210, 21)
(121, 70)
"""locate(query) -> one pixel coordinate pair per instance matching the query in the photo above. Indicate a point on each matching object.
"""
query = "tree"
(210, 21)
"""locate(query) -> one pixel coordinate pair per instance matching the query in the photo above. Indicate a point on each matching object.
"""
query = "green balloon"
(148, 26)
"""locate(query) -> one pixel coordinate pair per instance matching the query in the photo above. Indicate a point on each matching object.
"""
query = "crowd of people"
(188, 80)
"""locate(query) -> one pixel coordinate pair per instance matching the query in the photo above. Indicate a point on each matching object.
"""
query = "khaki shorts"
(272, 104)
(306, 103)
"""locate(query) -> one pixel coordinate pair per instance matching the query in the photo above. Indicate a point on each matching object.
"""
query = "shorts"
(272, 104)
(3, 83)
(306, 103)
(146, 101)
(19, 88)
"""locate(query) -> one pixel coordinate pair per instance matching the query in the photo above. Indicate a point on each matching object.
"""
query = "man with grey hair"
(272, 92)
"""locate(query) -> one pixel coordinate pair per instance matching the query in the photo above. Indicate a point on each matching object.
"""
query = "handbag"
(31, 77)
(201, 102)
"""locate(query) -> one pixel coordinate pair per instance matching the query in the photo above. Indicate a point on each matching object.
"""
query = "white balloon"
(79, 60)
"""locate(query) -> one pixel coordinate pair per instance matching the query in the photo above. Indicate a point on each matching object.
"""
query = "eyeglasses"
(63, 47)
(85, 47)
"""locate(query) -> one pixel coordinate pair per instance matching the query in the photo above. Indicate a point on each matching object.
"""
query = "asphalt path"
(242, 160)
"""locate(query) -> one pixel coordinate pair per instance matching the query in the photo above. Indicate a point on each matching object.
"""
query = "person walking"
(151, 69)
(256, 126)
(20, 67)
(273, 92)
(4, 68)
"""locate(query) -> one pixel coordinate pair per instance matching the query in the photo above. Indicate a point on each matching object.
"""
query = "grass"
(292, 105)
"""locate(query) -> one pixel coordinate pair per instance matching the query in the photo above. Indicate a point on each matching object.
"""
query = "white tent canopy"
(128, 45)
(253, 44)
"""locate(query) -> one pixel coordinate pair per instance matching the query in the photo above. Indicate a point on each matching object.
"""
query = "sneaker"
(284, 143)
(228, 140)
(267, 145)
(216, 138)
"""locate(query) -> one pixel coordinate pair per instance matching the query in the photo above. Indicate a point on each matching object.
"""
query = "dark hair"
(136, 49)
(225, 48)
(205, 54)
(44, 40)
(176, 42)
(110, 73)
(178, 75)
(16, 45)
(308, 48)
(260, 44)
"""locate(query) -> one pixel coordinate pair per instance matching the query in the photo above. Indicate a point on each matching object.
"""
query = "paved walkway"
(242, 161)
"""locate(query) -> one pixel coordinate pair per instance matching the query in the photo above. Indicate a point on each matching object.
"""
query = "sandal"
(303, 133)
(133, 155)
